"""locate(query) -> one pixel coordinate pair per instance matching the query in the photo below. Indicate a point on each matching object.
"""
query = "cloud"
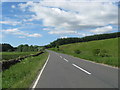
(34, 35)
(22, 34)
(62, 32)
(64, 37)
(101, 30)
(61, 0)
(13, 6)
(11, 30)
(72, 16)
(10, 22)
(21, 37)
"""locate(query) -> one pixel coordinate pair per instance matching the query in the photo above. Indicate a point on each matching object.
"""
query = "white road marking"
(40, 73)
(61, 56)
(66, 60)
(81, 69)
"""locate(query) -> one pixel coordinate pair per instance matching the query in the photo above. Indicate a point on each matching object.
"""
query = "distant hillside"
(63, 41)
(100, 51)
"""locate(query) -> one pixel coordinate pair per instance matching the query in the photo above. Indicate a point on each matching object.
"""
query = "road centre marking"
(81, 69)
(66, 60)
(61, 56)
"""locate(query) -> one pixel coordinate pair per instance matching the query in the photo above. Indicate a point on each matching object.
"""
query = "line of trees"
(21, 48)
(63, 41)
(27, 48)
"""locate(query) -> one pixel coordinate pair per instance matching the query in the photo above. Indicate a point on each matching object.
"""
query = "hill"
(100, 51)
(63, 41)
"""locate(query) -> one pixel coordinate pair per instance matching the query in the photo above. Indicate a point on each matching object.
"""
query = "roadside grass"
(21, 75)
(0, 80)
(13, 55)
(107, 54)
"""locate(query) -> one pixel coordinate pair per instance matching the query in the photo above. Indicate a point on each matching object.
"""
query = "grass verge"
(101, 51)
(21, 75)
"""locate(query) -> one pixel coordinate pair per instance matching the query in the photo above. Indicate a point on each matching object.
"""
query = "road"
(64, 71)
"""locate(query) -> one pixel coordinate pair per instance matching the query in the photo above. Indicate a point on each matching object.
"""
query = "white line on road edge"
(81, 69)
(66, 60)
(40, 73)
(61, 56)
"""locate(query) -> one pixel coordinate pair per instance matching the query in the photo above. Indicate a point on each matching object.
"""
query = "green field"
(21, 75)
(101, 51)
(13, 55)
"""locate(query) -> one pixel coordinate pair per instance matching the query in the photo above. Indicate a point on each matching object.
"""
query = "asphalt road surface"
(64, 71)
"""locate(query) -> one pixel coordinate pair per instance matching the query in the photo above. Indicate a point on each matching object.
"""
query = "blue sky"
(39, 23)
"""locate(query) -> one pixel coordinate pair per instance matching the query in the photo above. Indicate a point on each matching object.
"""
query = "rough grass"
(13, 55)
(86, 50)
(21, 75)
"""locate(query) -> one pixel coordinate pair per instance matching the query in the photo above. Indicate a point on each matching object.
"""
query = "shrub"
(77, 51)
(96, 52)
(57, 47)
(104, 53)
(101, 52)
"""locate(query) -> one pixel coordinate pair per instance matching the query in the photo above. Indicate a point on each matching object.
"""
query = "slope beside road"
(64, 71)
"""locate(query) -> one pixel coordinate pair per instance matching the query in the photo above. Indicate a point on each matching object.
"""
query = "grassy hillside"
(63, 41)
(101, 51)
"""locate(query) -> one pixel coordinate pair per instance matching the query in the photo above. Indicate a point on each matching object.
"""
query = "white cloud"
(101, 30)
(22, 34)
(61, 0)
(11, 30)
(72, 16)
(10, 22)
(34, 35)
(21, 37)
(63, 37)
(46, 29)
(62, 32)
(13, 6)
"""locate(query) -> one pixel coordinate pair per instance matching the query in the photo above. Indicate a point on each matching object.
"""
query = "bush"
(96, 52)
(77, 51)
(102, 53)
(57, 47)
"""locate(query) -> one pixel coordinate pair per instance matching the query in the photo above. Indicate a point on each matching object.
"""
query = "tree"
(20, 48)
(6, 47)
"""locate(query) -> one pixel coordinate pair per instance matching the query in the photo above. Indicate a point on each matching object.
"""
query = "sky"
(40, 22)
